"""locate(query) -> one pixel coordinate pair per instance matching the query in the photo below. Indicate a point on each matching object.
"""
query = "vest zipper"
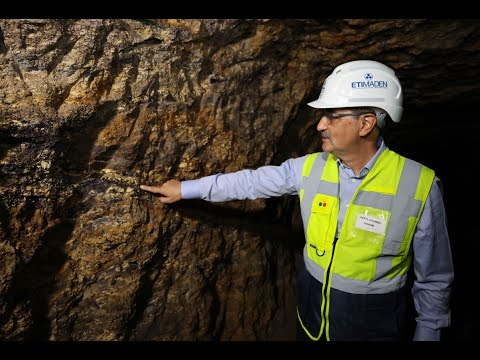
(326, 299)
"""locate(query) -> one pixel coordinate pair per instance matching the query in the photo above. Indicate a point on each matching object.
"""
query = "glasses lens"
(329, 116)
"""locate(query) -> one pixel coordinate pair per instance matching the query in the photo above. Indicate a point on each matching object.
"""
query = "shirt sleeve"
(264, 182)
(433, 267)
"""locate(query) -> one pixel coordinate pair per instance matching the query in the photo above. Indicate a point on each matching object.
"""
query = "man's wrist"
(425, 334)
(190, 189)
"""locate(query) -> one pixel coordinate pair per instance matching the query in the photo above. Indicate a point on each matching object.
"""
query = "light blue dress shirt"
(432, 261)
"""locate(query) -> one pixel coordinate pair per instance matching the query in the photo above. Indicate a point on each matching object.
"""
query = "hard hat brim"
(318, 104)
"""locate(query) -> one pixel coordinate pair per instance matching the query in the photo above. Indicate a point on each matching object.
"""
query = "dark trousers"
(352, 317)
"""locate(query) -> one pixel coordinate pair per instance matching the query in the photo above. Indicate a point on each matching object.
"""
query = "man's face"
(340, 130)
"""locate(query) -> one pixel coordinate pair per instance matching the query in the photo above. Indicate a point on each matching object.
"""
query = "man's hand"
(170, 191)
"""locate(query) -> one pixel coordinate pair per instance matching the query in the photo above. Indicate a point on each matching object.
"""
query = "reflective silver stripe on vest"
(310, 186)
(379, 286)
(375, 200)
(403, 207)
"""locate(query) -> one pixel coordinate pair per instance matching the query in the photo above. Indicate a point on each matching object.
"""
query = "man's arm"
(264, 182)
(433, 266)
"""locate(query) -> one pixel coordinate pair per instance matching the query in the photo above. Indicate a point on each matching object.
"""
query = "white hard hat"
(363, 83)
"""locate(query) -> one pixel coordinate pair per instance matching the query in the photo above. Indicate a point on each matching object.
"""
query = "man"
(368, 214)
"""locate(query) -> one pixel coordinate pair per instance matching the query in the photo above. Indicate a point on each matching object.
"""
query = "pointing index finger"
(154, 189)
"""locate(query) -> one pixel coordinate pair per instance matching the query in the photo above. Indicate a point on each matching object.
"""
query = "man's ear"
(368, 123)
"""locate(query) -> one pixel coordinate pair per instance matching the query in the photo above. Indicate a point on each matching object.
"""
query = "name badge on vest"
(371, 223)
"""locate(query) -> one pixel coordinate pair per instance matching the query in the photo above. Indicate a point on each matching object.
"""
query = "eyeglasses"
(331, 116)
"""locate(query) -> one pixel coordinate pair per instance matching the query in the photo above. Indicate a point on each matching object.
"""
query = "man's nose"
(322, 124)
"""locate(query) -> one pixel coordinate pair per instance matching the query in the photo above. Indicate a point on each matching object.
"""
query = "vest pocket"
(321, 225)
(367, 226)
(323, 204)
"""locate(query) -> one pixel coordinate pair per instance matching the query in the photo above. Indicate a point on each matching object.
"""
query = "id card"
(371, 223)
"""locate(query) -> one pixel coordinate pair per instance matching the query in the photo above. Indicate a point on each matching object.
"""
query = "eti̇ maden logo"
(369, 83)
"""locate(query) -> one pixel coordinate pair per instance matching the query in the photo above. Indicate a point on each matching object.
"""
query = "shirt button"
(353, 180)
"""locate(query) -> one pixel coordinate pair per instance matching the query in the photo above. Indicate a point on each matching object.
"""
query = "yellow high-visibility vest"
(372, 253)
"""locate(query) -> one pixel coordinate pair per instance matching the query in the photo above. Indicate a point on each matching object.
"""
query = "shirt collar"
(369, 165)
